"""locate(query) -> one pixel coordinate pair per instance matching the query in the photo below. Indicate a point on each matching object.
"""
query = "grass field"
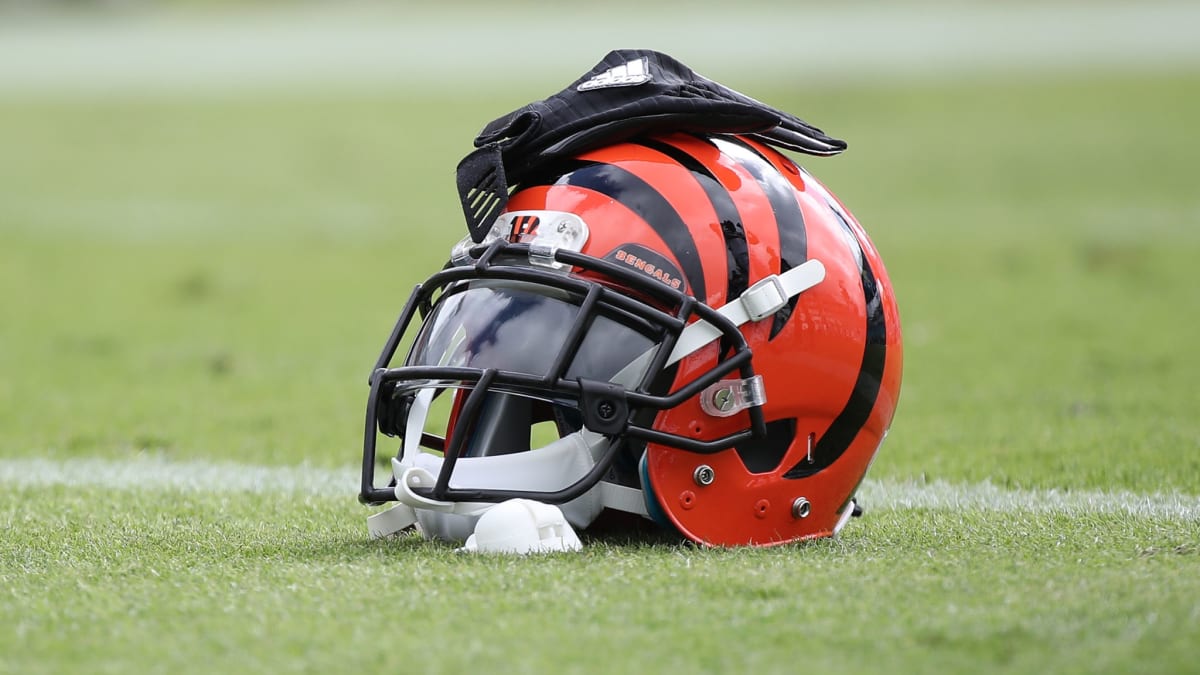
(193, 289)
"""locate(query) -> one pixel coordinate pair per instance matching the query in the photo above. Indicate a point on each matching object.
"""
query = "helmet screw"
(606, 410)
(801, 508)
(704, 475)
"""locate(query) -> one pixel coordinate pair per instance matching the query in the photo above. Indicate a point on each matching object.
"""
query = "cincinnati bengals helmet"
(707, 334)
(654, 312)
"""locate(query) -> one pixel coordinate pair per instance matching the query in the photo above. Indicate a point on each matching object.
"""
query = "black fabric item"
(631, 92)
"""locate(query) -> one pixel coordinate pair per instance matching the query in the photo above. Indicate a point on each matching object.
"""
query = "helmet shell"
(714, 214)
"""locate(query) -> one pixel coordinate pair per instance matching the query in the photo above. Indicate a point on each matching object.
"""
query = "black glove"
(632, 92)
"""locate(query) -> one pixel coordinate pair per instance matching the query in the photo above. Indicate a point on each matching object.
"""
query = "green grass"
(211, 279)
(252, 583)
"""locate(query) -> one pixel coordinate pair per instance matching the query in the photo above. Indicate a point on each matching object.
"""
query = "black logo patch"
(650, 263)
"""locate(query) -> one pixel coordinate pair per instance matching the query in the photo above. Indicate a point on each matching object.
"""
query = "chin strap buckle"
(764, 298)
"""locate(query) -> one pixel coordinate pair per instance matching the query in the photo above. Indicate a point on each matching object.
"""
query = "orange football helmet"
(709, 335)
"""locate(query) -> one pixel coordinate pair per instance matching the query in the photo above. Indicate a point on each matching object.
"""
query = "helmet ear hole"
(765, 455)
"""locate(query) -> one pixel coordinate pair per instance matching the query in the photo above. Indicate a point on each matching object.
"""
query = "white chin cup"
(522, 526)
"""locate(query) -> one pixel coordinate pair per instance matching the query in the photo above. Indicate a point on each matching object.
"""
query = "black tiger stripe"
(789, 219)
(737, 255)
(845, 427)
(643, 199)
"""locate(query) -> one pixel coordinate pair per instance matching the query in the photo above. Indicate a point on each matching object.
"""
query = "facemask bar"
(607, 408)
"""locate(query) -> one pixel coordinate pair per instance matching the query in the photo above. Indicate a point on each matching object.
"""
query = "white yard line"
(188, 476)
(489, 47)
(942, 495)
(879, 495)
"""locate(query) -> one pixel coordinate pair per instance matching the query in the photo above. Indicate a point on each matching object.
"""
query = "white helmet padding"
(546, 469)
(549, 468)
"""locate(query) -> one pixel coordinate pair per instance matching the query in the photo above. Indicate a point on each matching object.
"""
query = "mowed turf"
(209, 280)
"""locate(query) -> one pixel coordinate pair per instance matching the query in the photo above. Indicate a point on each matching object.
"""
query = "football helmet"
(686, 326)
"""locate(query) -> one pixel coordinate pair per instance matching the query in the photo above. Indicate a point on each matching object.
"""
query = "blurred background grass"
(210, 213)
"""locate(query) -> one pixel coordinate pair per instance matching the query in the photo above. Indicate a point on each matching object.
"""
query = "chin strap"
(438, 519)
(763, 299)
(417, 413)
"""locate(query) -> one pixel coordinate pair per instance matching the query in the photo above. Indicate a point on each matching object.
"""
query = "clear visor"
(522, 328)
